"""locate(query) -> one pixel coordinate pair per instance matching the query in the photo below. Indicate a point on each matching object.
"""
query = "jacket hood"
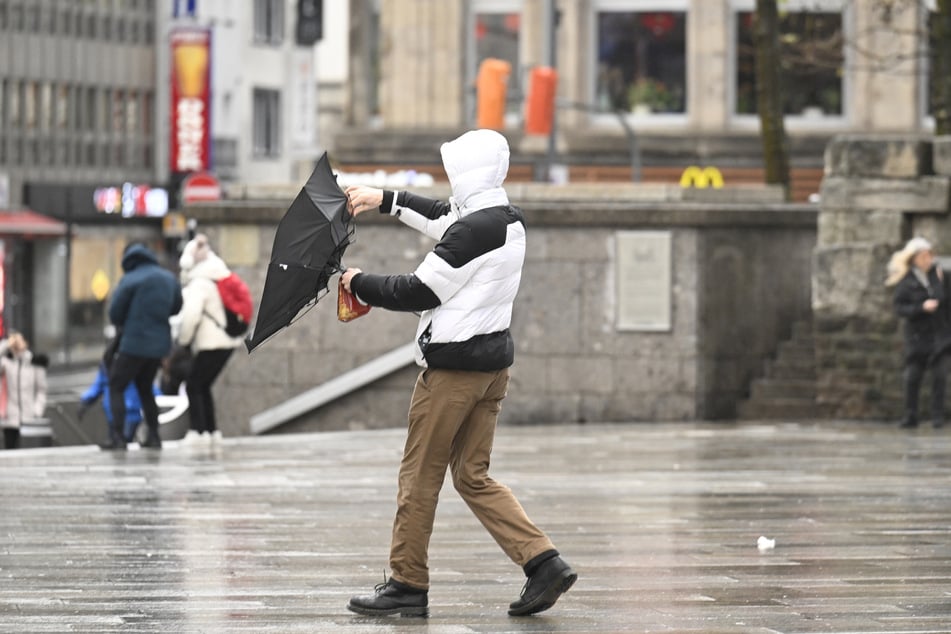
(212, 268)
(476, 163)
(136, 255)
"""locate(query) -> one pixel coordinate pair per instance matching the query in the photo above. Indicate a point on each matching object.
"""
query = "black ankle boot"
(115, 443)
(549, 580)
(152, 441)
(392, 597)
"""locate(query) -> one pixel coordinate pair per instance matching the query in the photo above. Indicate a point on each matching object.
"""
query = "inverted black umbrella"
(308, 245)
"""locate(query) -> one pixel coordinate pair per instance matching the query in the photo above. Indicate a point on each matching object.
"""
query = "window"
(14, 103)
(642, 58)
(147, 114)
(46, 106)
(62, 106)
(118, 112)
(132, 114)
(268, 21)
(267, 120)
(496, 31)
(29, 105)
(813, 60)
(90, 107)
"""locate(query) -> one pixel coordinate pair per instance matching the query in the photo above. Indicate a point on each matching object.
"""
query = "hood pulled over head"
(477, 163)
(136, 254)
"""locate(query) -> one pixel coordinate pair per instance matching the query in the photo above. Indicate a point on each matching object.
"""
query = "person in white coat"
(26, 387)
(202, 328)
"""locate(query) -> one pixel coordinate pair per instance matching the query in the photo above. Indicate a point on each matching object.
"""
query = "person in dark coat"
(147, 295)
(921, 299)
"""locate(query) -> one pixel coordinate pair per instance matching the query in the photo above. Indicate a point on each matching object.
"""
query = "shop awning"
(23, 222)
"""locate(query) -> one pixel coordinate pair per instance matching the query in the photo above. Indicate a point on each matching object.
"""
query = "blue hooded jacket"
(147, 295)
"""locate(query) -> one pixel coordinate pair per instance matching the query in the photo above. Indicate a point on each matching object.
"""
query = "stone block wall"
(740, 278)
(877, 193)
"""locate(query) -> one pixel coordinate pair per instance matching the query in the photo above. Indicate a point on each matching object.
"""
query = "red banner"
(190, 142)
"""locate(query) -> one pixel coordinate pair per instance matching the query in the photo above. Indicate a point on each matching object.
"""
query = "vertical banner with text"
(190, 142)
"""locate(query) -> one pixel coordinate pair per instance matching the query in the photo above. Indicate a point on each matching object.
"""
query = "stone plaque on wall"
(643, 280)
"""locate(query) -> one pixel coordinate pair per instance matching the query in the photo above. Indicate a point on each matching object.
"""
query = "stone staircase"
(787, 390)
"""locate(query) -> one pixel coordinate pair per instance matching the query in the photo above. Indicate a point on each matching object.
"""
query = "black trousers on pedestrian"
(206, 366)
(140, 371)
(915, 368)
(11, 437)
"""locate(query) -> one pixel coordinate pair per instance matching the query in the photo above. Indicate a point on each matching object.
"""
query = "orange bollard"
(540, 105)
(491, 86)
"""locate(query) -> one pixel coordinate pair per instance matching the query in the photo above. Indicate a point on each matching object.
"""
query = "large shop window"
(642, 60)
(813, 60)
(496, 30)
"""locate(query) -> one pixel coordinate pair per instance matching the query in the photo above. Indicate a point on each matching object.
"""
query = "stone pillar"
(877, 193)
(421, 52)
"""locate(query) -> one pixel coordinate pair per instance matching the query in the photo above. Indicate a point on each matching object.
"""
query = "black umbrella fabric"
(308, 245)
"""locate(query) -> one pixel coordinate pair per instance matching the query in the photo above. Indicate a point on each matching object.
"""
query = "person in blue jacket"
(100, 388)
(146, 296)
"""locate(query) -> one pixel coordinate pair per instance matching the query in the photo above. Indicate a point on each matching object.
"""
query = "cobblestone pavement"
(661, 522)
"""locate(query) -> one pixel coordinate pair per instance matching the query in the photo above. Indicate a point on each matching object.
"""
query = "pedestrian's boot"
(115, 443)
(908, 422)
(152, 441)
(549, 576)
(392, 597)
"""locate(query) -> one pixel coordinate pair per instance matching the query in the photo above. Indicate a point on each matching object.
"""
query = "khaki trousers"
(452, 421)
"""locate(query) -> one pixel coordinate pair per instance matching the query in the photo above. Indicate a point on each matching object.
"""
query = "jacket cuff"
(388, 206)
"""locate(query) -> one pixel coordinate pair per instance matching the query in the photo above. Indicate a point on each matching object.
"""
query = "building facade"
(89, 137)
(678, 73)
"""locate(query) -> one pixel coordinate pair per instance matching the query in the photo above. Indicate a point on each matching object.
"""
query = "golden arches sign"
(694, 176)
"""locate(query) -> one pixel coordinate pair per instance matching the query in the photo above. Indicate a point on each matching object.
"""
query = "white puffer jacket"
(202, 320)
(26, 387)
(466, 286)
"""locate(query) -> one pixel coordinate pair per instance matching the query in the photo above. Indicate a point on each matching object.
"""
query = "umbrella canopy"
(308, 245)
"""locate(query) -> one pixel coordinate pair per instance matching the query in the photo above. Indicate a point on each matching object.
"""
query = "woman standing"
(202, 328)
(26, 387)
(920, 298)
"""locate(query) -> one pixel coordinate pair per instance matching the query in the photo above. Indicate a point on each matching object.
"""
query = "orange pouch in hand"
(348, 306)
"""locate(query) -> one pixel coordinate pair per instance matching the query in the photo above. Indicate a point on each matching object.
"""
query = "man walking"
(465, 289)
(147, 295)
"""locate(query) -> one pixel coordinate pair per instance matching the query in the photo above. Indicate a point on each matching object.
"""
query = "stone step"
(798, 409)
(769, 389)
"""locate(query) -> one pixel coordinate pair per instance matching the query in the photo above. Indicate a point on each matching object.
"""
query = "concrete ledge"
(928, 194)
(563, 208)
(878, 157)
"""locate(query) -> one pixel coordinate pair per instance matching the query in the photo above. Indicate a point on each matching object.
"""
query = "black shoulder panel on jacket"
(475, 235)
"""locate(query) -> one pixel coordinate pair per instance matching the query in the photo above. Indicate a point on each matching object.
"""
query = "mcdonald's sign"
(694, 176)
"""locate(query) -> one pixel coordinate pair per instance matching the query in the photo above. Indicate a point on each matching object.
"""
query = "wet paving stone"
(661, 522)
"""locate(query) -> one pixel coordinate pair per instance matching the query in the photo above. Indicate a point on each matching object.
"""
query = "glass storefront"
(642, 63)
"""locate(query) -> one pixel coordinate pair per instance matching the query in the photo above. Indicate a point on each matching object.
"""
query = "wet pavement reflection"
(661, 521)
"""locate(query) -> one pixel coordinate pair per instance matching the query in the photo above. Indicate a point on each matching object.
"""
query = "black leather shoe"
(550, 581)
(152, 442)
(115, 443)
(392, 597)
(908, 423)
